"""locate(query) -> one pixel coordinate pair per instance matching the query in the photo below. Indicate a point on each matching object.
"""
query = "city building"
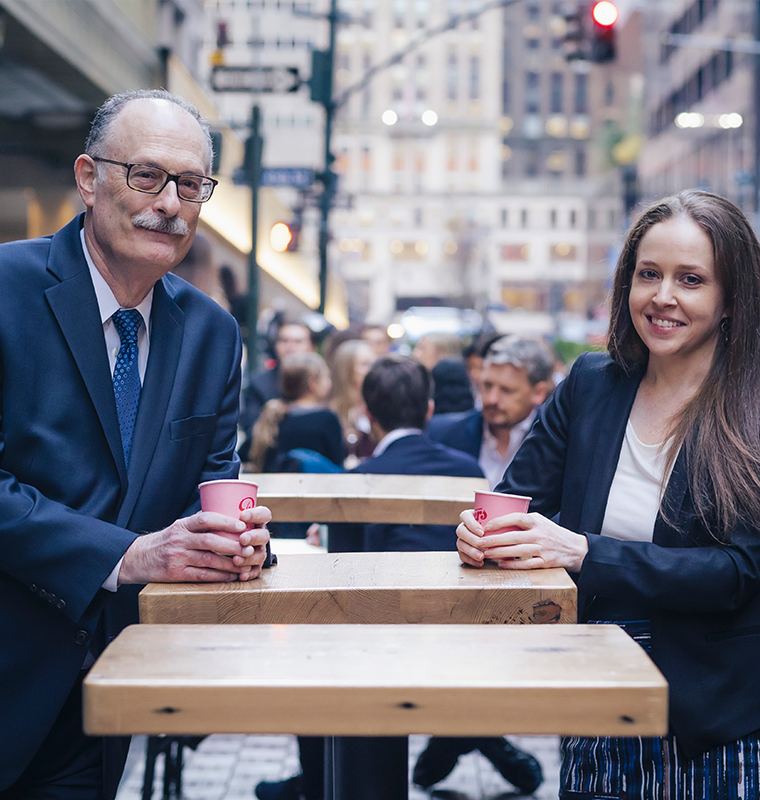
(702, 100)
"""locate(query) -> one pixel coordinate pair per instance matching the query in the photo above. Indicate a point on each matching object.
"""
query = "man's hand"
(206, 547)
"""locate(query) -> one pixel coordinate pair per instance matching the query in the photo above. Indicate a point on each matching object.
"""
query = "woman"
(349, 365)
(300, 419)
(660, 502)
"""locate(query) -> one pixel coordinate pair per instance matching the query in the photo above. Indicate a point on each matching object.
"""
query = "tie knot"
(127, 322)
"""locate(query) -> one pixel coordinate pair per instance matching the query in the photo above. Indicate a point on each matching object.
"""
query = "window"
(553, 218)
(524, 218)
(452, 76)
(532, 92)
(557, 80)
(504, 218)
(581, 93)
(474, 78)
(580, 162)
(515, 252)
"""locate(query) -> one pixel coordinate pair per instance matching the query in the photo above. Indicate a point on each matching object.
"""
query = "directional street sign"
(255, 79)
(300, 177)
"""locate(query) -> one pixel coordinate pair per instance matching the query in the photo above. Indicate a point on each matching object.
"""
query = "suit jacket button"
(43, 594)
(34, 588)
(61, 604)
(81, 637)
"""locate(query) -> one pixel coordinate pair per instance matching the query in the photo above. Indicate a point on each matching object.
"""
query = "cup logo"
(246, 502)
(480, 514)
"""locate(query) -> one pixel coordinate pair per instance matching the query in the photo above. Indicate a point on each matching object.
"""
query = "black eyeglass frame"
(169, 177)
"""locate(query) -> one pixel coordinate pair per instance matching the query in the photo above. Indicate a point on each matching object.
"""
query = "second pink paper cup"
(489, 505)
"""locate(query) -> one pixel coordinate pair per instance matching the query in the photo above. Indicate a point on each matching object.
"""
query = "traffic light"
(604, 17)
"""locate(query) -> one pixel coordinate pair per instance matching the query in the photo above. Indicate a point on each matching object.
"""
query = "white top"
(636, 490)
(491, 462)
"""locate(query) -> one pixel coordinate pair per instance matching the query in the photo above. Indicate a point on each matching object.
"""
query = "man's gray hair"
(532, 355)
(101, 126)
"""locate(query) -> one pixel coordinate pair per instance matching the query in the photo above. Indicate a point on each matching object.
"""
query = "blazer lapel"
(75, 307)
(167, 328)
(610, 424)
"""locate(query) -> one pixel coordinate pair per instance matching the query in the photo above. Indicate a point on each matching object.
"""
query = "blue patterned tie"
(126, 375)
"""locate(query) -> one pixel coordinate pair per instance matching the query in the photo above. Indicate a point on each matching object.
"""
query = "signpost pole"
(253, 149)
(328, 176)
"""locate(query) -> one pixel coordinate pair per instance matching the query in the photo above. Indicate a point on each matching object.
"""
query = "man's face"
(426, 352)
(161, 134)
(508, 396)
(292, 339)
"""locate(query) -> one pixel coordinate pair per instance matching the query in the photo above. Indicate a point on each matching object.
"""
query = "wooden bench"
(376, 588)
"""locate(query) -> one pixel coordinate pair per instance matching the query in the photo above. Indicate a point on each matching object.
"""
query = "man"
(432, 347)
(119, 387)
(516, 380)
(397, 392)
(264, 385)
(376, 336)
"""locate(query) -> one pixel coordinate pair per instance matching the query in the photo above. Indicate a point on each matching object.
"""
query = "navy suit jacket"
(69, 508)
(703, 598)
(411, 455)
(462, 430)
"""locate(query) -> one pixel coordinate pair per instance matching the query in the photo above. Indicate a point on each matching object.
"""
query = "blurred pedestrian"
(516, 380)
(376, 336)
(299, 419)
(474, 356)
(432, 347)
(349, 365)
(264, 385)
(452, 391)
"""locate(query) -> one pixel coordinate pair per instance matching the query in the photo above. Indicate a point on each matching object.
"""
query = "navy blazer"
(69, 508)
(462, 430)
(410, 455)
(703, 598)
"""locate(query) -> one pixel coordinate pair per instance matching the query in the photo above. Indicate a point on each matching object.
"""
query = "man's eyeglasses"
(152, 180)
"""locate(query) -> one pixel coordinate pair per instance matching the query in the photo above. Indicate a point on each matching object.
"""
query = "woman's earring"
(725, 328)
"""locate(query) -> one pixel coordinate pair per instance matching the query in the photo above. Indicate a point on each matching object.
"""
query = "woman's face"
(365, 358)
(676, 301)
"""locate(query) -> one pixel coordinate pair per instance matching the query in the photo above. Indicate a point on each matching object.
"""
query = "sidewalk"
(228, 768)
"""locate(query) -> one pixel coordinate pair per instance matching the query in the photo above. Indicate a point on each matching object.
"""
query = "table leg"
(369, 768)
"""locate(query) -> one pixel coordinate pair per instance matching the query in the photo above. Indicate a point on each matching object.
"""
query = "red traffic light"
(604, 13)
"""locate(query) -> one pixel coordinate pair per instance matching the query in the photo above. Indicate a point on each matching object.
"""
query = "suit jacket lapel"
(610, 423)
(167, 328)
(75, 307)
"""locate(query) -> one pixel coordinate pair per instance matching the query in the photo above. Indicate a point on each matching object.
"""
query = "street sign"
(299, 177)
(255, 79)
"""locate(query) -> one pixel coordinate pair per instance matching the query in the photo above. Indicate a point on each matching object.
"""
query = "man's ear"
(540, 391)
(430, 410)
(84, 172)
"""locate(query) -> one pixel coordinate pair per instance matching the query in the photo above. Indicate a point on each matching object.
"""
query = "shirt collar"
(393, 436)
(107, 302)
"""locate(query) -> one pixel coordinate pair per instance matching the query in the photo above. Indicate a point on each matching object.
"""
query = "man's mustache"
(155, 222)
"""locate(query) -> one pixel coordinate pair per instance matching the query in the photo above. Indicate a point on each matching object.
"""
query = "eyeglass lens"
(152, 180)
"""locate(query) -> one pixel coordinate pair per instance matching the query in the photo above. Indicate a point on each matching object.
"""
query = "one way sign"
(255, 79)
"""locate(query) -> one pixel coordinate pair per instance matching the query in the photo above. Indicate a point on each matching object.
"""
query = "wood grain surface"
(415, 499)
(377, 588)
(375, 680)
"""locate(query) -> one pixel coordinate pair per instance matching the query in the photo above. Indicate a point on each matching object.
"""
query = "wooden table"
(412, 499)
(378, 588)
(383, 680)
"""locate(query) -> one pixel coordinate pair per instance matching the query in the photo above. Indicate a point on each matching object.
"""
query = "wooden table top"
(377, 588)
(354, 680)
(344, 497)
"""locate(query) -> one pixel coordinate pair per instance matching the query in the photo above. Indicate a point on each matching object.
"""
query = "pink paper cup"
(229, 497)
(489, 505)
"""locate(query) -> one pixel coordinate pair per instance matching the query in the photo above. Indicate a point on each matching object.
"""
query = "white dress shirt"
(493, 464)
(393, 436)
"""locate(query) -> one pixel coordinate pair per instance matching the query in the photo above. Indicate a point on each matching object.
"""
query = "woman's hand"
(540, 543)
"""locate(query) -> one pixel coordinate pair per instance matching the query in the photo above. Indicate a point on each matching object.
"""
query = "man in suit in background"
(119, 387)
(397, 392)
(516, 380)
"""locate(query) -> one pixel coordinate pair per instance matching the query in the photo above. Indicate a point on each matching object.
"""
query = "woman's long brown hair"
(719, 429)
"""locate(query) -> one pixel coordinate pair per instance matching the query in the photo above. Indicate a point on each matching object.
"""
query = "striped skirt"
(638, 768)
